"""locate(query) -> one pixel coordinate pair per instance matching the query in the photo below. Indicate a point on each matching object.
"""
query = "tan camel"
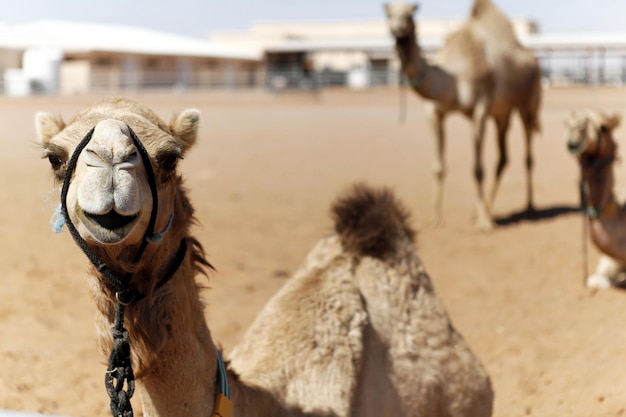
(358, 331)
(590, 139)
(481, 71)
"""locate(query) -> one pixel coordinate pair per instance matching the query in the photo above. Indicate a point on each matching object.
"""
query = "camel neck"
(596, 191)
(174, 355)
(413, 64)
(430, 82)
(604, 214)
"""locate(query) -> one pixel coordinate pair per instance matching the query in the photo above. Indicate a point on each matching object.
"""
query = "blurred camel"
(590, 138)
(481, 71)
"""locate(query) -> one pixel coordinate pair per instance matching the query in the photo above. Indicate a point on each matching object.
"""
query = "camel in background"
(358, 331)
(481, 71)
(590, 138)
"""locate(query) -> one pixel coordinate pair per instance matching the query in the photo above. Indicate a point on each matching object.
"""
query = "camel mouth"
(401, 34)
(111, 220)
(110, 227)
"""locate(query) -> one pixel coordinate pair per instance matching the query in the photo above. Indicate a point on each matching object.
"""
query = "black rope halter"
(119, 371)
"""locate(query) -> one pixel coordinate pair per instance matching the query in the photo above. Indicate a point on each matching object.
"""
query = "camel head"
(400, 19)
(590, 139)
(109, 199)
(590, 135)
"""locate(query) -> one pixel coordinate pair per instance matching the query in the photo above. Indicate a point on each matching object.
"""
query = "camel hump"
(494, 21)
(481, 7)
(371, 222)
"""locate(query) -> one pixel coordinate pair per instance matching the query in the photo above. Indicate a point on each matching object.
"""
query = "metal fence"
(556, 70)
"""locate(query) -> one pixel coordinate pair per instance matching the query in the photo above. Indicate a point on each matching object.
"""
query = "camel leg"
(528, 132)
(483, 219)
(503, 159)
(605, 274)
(436, 118)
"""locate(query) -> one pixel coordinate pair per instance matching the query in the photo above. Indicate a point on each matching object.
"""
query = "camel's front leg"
(483, 219)
(607, 274)
(503, 127)
(528, 131)
(436, 118)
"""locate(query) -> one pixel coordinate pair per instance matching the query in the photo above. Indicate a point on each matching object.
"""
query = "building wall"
(113, 72)
(337, 66)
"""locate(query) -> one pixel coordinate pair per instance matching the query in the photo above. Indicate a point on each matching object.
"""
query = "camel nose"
(111, 146)
(574, 146)
(110, 180)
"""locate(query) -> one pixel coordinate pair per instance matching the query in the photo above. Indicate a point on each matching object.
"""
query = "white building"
(84, 57)
(361, 53)
(73, 58)
(358, 53)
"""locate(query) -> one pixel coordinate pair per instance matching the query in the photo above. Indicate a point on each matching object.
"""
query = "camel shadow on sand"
(535, 215)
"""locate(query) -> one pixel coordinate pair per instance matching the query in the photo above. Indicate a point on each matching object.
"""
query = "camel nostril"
(573, 147)
(111, 220)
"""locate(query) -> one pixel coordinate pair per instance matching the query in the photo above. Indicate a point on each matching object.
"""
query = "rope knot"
(120, 372)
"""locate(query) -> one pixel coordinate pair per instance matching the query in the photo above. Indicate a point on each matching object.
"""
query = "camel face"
(590, 135)
(579, 135)
(109, 199)
(111, 195)
(400, 18)
(590, 139)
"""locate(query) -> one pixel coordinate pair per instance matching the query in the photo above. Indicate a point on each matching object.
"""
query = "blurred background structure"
(62, 57)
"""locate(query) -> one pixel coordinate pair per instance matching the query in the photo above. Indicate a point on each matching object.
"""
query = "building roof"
(565, 42)
(75, 37)
(576, 41)
(268, 33)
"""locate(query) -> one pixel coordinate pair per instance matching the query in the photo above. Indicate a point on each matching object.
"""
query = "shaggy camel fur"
(590, 139)
(357, 332)
(481, 71)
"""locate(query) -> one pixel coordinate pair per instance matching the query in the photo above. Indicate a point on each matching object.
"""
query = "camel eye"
(168, 161)
(133, 157)
(55, 162)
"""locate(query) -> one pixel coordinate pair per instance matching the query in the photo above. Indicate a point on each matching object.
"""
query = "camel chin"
(110, 228)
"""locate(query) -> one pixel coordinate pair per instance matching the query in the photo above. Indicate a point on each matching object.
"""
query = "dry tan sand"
(262, 177)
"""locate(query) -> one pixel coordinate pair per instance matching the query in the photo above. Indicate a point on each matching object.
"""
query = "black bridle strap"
(153, 189)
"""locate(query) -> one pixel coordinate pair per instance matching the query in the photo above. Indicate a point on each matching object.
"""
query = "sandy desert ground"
(262, 177)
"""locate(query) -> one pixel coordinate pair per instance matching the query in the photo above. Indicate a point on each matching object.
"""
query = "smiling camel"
(358, 330)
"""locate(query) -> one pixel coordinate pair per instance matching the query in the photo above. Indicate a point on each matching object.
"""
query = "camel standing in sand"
(590, 139)
(358, 331)
(481, 71)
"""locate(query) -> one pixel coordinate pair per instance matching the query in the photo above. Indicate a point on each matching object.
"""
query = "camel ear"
(571, 118)
(595, 118)
(414, 8)
(613, 120)
(47, 126)
(185, 128)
